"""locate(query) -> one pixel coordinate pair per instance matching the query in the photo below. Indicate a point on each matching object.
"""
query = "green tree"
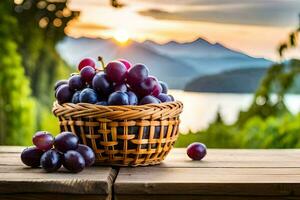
(16, 106)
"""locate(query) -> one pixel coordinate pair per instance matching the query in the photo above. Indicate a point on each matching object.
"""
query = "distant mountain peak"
(201, 41)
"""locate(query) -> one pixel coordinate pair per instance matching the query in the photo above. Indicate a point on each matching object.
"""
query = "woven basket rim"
(126, 112)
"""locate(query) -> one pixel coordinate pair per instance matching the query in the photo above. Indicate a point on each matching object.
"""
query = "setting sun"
(121, 36)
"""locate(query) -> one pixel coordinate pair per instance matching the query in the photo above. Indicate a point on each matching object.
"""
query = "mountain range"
(181, 65)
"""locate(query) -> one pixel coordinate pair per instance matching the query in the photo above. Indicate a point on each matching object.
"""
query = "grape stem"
(100, 59)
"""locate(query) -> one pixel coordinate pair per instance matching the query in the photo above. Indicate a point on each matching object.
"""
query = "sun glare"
(121, 36)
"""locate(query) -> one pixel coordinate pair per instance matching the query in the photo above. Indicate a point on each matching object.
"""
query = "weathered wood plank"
(95, 180)
(208, 181)
(201, 197)
(51, 196)
(215, 158)
(11, 149)
(282, 158)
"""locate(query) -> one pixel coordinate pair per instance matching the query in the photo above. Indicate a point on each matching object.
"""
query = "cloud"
(88, 26)
(262, 13)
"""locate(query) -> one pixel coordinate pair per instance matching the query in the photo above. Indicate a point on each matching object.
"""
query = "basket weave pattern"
(123, 135)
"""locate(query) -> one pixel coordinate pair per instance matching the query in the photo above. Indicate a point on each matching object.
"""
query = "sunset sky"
(252, 26)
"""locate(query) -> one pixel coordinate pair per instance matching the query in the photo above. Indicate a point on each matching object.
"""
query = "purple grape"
(66, 141)
(149, 100)
(120, 87)
(73, 161)
(102, 103)
(31, 156)
(126, 63)
(132, 98)
(43, 140)
(164, 87)
(164, 97)
(116, 72)
(157, 89)
(87, 74)
(87, 153)
(118, 98)
(149, 86)
(101, 84)
(51, 160)
(86, 62)
(88, 95)
(76, 83)
(137, 74)
(75, 98)
(60, 83)
(196, 151)
(64, 94)
(172, 98)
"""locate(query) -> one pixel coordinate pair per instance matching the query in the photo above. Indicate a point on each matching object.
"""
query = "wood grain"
(94, 180)
(20, 182)
(51, 196)
(229, 181)
(200, 197)
(233, 158)
(223, 174)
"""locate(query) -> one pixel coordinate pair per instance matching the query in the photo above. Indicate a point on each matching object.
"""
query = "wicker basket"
(123, 135)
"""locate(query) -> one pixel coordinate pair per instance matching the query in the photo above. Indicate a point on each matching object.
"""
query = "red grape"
(86, 62)
(31, 156)
(66, 141)
(149, 86)
(118, 98)
(137, 74)
(43, 140)
(87, 153)
(73, 161)
(87, 74)
(76, 83)
(51, 160)
(157, 88)
(149, 100)
(64, 94)
(116, 72)
(126, 63)
(196, 151)
(101, 84)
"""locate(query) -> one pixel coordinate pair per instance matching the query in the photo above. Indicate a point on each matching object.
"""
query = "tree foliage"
(41, 26)
(16, 106)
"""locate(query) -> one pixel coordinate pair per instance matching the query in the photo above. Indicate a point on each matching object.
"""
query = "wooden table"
(223, 174)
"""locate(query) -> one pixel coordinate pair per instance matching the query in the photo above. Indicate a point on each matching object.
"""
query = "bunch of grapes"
(67, 152)
(120, 83)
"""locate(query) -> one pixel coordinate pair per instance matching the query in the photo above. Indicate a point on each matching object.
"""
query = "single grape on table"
(196, 151)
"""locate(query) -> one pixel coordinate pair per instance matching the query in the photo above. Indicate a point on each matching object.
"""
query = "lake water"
(200, 108)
